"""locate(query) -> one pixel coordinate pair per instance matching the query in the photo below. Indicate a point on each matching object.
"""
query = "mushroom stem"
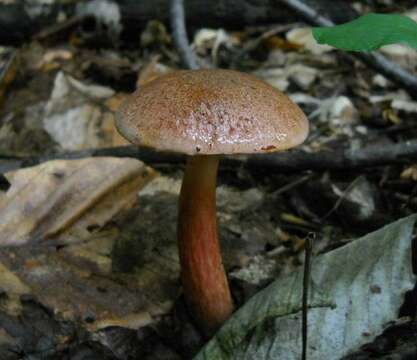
(203, 277)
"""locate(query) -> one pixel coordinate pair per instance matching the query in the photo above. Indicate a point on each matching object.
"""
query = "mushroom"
(206, 113)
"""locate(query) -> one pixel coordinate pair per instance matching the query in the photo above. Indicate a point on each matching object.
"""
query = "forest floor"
(89, 266)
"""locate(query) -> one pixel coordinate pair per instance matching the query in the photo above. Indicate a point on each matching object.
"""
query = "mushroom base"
(203, 277)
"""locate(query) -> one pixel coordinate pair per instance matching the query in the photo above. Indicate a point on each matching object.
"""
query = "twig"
(306, 282)
(341, 198)
(297, 160)
(380, 63)
(338, 159)
(179, 33)
(61, 28)
(307, 12)
(290, 186)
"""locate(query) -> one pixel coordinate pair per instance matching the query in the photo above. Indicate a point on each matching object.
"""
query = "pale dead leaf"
(73, 115)
(410, 173)
(277, 77)
(407, 106)
(52, 57)
(304, 38)
(68, 195)
(134, 320)
(131, 321)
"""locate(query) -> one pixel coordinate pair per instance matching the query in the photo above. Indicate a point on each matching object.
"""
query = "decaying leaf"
(50, 60)
(67, 195)
(11, 285)
(70, 201)
(409, 173)
(304, 38)
(151, 71)
(355, 291)
(407, 106)
(302, 75)
(72, 117)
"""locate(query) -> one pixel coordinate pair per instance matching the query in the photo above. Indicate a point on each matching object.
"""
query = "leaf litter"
(104, 248)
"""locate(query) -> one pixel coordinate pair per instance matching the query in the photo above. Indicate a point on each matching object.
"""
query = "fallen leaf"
(52, 58)
(303, 37)
(277, 77)
(343, 302)
(67, 195)
(151, 71)
(407, 106)
(409, 173)
(209, 41)
(14, 288)
(72, 116)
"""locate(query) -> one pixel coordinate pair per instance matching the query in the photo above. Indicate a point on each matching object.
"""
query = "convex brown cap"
(211, 112)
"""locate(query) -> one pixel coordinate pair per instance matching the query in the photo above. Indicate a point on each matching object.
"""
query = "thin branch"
(307, 12)
(179, 33)
(306, 286)
(338, 159)
(296, 160)
(339, 201)
(375, 60)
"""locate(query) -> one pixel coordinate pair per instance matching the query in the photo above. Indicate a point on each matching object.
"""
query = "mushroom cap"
(211, 112)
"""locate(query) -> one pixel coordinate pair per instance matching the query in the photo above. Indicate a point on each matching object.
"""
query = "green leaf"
(355, 290)
(369, 32)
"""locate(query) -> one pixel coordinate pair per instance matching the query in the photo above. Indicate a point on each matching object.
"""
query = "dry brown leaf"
(68, 195)
(114, 102)
(277, 42)
(51, 59)
(134, 320)
(108, 126)
(131, 321)
(69, 201)
(76, 292)
(151, 71)
(14, 288)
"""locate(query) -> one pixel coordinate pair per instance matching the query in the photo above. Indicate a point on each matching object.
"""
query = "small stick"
(339, 159)
(291, 185)
(306, 281)
(341, 198)
(179, 34)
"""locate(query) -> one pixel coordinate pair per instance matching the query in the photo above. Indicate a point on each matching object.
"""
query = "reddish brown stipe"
(202, 273)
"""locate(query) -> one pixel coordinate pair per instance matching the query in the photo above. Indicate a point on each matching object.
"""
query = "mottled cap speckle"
(211, 112)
